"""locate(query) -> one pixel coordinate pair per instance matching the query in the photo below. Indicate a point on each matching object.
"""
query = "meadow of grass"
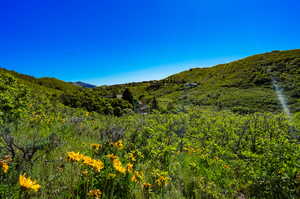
(72, 154)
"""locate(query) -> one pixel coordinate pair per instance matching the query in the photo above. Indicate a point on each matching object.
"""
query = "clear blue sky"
(114, 41)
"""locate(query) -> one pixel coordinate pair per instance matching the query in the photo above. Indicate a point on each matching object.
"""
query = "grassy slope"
(250, 79)
(46, 84)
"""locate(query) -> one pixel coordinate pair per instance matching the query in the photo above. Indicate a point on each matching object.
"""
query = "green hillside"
(218, 87)
(55, 92)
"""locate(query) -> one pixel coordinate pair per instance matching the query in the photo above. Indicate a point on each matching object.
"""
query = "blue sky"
(117, 41)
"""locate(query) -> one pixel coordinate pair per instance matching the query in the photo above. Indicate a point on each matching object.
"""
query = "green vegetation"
(187, 155)
(204, 133)
(217, 87)
(59, 93)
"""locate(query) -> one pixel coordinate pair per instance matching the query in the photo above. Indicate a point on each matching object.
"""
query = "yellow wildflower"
(133, 178)
(28, 183)
(147, 185)
(118, 144)
(129, 167)
(118, 166)
(4, 166)
(96, 193)
(96, 146)
(162, 180)
(96, 164)
(111, 156)
(131, 157)
(111, 175)
(226, 166)
(4, 163)
(138, 176)
(85, 172)
(74, 156)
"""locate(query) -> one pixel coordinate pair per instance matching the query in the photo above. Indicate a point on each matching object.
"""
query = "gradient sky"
(116, 41)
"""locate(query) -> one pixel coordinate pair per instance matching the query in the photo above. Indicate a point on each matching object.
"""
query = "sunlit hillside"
(243, 86)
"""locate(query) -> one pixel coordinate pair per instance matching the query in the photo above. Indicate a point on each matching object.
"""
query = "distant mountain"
(83, 84)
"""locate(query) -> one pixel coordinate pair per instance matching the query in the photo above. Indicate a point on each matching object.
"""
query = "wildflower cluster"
(118, 144)
(4, 163)
(111, 156)
(111, 175)
(118, 166)
(147, 185)
(134, 155)
(162, 180)
(129, 167)
(131, 156)
(28, 183)
(96, 164)
(4, 166)
(96, 193)
(161, 177)
(137, 176)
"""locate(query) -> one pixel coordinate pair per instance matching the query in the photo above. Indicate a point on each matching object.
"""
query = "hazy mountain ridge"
(83, 84)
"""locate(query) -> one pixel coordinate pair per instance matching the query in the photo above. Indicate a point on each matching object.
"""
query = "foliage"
(90, 101)
(199, 154)
(154, 104)
(127, 95)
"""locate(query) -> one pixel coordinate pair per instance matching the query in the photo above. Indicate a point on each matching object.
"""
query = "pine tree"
(154, 104)
(127, 95)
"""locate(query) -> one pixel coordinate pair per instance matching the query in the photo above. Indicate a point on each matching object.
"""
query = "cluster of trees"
(89, 100)
(139, 106)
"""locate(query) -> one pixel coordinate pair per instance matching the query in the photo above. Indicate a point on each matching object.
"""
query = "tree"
(154, 104)
(127, 95)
